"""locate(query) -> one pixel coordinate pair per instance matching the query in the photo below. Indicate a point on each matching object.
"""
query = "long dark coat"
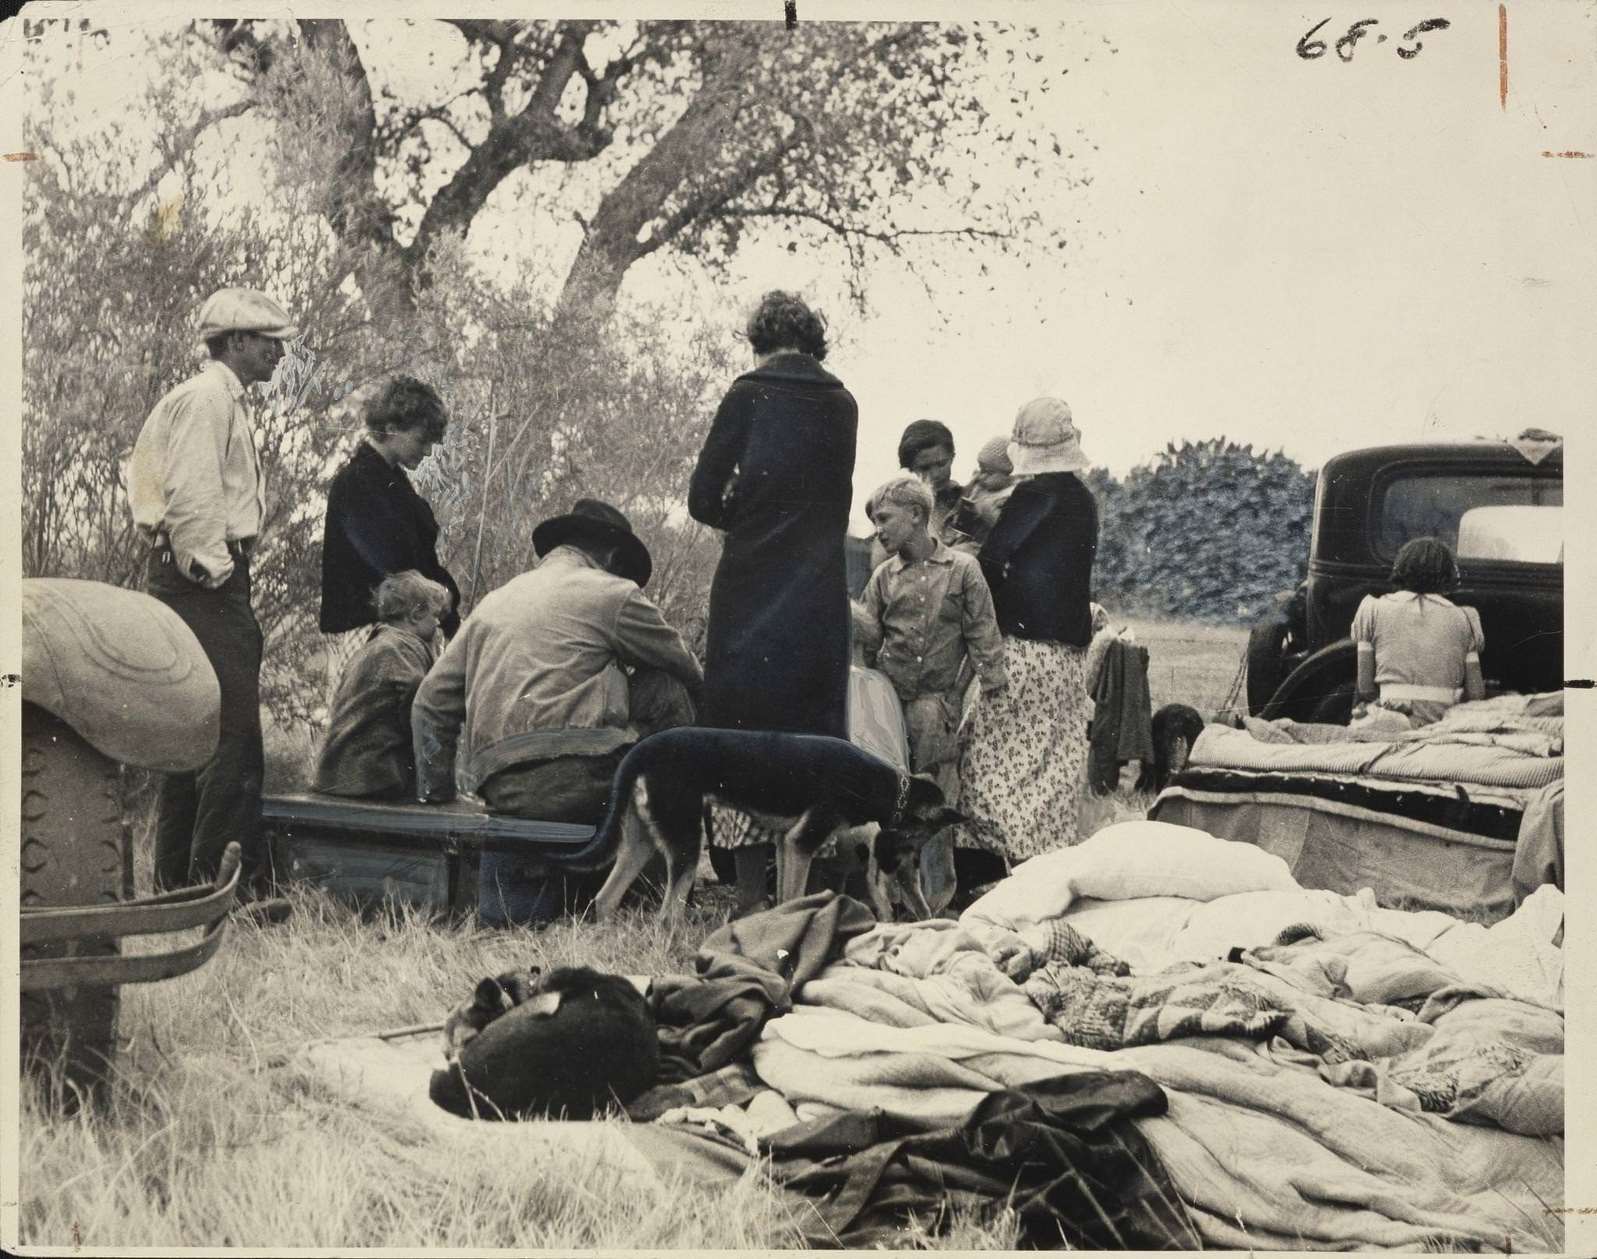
(376, 525)
(776, 473)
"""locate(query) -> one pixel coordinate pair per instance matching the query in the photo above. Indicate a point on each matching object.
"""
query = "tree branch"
(184, 140)
(513, 141)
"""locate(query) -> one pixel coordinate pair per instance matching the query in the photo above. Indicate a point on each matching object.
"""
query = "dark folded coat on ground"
(747, 971)
(1062, 1152)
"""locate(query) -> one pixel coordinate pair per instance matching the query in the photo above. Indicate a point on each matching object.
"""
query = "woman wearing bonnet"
(1026, 749)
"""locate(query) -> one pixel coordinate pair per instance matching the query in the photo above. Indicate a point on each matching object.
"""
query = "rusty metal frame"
(202, 906)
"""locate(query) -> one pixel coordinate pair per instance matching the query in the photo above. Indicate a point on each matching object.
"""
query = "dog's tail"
(601, 852)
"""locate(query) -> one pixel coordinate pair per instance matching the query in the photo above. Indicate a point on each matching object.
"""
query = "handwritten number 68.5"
(1309, 48)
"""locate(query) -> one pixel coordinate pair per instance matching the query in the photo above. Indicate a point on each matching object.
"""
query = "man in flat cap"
(195, 487)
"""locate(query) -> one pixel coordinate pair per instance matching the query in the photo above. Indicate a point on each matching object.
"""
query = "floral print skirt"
(1025, 754)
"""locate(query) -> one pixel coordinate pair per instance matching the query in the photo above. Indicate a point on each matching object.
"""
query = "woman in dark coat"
(776, 473)
(1021, 774)
(377, 524)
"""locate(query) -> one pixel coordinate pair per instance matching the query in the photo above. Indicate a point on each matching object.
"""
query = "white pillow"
(1130, 860)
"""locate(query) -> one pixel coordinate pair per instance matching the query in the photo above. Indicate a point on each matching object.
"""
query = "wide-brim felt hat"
(1045, 439)
(592, 520)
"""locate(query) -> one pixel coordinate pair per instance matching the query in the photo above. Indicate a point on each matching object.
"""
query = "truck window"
(1481, 516)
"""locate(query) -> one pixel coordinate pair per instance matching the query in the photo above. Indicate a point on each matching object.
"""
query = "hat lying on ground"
(244, 310)
(591, 520)
(1045, 439)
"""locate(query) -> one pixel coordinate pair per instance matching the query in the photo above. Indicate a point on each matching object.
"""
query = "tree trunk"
(673, 171)
(356, 211)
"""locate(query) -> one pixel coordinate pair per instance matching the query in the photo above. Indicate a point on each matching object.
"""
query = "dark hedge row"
(1207, 531)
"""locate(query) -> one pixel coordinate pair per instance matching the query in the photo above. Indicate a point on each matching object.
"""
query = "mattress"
(1434, 818)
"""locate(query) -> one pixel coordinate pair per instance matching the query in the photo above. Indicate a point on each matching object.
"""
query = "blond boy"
(925, 620)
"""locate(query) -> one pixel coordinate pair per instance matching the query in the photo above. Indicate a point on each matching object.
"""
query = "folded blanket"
(1509, 758)
(1221, 999)
(1490, 1061)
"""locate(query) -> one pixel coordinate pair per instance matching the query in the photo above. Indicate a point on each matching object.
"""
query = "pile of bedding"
(1336, 1074)
(1155, 1039)
(1512, 741)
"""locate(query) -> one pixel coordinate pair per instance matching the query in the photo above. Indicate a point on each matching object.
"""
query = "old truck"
(1497, 504)
(110, 678)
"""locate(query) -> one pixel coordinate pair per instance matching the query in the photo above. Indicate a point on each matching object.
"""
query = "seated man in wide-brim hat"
(554, 675)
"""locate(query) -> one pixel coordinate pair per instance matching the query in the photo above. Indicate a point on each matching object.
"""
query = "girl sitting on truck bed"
(368, 751)
(1418, 651)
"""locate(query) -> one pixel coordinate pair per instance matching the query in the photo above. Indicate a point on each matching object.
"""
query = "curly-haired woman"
(776, 474)
(377, 524)
(1418, 651)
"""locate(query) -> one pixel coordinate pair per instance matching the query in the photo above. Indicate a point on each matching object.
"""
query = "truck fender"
(1322, 673)
(122, 669)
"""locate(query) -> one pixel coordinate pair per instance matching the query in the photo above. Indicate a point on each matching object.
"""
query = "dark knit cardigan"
(376, 525)
(1038, 560)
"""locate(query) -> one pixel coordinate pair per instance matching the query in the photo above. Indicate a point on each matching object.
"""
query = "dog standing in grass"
(806, 787)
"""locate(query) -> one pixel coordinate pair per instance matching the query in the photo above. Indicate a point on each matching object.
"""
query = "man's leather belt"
(238, 548)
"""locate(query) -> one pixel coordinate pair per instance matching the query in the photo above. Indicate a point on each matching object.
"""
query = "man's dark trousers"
(201, 811)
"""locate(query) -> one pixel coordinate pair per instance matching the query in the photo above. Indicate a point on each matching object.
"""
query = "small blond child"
(926, 619)
(368, 750)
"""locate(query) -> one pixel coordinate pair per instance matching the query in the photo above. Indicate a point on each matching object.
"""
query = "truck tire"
(1265, 668)
(73, 853)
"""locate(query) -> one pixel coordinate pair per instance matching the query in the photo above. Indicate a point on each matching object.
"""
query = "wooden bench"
(449, 859)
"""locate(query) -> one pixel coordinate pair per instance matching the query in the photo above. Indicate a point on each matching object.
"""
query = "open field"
(1189, 662)
(215, 1137)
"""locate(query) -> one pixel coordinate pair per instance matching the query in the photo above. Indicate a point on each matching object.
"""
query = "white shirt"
(195, 475)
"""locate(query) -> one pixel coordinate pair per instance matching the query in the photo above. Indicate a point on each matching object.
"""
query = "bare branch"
(393, 134)
(890, 237)
(175, 146)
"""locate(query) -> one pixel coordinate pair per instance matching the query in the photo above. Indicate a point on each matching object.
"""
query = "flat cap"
(244, 310)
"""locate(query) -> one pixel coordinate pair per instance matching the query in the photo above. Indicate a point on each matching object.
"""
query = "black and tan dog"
(1176, 728)
(808, 787)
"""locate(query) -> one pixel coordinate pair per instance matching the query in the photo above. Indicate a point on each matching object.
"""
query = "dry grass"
(1189, 662)
(213, 1135)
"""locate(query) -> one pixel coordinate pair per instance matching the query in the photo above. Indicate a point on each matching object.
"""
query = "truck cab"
(1496, 504)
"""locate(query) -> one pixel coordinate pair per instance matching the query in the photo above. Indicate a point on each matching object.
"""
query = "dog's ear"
(518, 985)
(491, 996)
(924, 793)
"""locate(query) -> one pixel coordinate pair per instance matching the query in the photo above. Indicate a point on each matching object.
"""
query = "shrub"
(1206, 531)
